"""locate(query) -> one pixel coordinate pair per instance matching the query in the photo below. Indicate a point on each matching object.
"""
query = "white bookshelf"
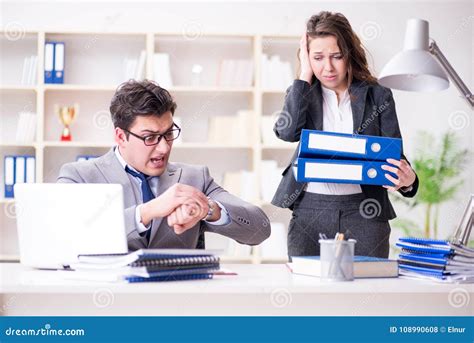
(94, 68)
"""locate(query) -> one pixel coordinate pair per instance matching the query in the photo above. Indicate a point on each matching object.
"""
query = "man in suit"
(167, 205)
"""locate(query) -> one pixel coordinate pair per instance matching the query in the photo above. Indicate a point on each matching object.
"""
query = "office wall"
(380, 24)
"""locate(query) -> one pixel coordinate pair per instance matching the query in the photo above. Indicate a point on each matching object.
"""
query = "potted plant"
(438, 167)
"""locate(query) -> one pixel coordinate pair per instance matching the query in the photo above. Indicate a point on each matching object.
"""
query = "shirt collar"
(329, 93)
(122, 161)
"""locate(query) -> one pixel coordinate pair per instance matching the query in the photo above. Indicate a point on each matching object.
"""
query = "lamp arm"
(460, 85)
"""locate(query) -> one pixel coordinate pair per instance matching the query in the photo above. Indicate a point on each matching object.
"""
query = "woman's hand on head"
(306, 73)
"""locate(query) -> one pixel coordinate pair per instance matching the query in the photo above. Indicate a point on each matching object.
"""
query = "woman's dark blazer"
(374, 114)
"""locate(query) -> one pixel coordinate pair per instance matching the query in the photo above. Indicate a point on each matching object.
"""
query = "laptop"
(57, 222)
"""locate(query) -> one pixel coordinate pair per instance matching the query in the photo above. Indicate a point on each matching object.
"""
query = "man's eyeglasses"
(155, 138)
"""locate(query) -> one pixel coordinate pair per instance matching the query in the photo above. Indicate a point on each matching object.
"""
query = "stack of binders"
(146, 265)
(345, 158)
(436, 260)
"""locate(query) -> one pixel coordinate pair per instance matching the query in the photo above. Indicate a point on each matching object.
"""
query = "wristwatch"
(211, 203)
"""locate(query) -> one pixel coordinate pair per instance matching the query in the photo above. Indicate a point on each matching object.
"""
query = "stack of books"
(364, 266)
(241, 133)
(26, 128)
(276, 74)
(436, 260)
(241, 183)
(345, 158)
(134, 68)
(162, 69)
(235, 73)
(146, 265)
(30, 70)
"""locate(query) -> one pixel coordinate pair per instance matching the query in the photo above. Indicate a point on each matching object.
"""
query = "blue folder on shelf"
(58, 75)
(317, 144)
(49, 62)
(9, 175)
(342, 171)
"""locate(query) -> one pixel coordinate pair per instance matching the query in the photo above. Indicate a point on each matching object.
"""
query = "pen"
(338, 254)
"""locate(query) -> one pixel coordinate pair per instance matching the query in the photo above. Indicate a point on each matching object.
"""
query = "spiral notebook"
(427, 258)
(147, 265)
(147, 257)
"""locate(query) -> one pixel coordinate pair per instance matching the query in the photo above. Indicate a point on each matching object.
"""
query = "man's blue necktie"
(147, 194)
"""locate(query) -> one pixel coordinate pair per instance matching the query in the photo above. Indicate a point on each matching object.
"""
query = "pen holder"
(337, 260)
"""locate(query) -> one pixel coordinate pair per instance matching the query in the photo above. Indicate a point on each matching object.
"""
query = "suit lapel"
(113, 172)
(358, 93)
(170, 177)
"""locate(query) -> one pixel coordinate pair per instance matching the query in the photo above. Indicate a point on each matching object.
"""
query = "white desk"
(257, 290)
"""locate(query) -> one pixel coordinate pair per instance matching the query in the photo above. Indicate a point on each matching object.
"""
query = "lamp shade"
(415, 68)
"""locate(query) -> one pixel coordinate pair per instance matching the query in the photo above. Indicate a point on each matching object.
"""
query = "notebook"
(428, 247)
(147, 265)
(172, 278)
(364, 266)
(426, 258)
(147, 257)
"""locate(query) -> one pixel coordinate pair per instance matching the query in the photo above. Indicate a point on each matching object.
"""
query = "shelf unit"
(94, 69)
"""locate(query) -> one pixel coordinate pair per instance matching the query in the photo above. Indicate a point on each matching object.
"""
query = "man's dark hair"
(139, 98)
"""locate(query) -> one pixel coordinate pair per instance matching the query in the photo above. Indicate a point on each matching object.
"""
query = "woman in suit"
(336, 92)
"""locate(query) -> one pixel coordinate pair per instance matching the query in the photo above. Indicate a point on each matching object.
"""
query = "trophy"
(66, 115)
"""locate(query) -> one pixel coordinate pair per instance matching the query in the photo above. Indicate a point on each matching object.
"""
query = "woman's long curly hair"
(326, 24)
